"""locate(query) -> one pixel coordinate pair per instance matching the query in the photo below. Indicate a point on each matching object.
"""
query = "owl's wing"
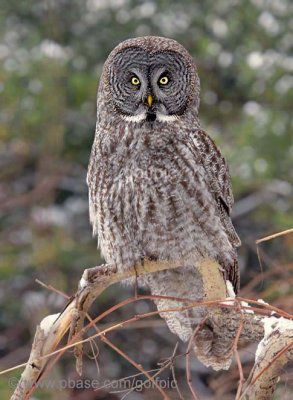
(219, 181)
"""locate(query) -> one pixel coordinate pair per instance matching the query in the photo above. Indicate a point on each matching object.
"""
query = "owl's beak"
(150, 100)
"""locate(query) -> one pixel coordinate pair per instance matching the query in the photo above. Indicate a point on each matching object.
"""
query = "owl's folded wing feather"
(219, 181)
(218, 178)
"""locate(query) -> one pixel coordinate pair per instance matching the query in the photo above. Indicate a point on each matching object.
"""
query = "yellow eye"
(164, 80)
(135, 81)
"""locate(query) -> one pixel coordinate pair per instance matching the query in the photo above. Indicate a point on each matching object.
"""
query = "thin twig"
(275, 235)
(138, 366)
(213, 303)
(52, 289)
(190, 343)
(235, 349)
(173, 372)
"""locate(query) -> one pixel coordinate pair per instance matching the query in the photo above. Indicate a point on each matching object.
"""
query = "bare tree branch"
(227, 321)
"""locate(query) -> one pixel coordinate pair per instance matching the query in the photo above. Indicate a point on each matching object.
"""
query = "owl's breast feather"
(154, 200)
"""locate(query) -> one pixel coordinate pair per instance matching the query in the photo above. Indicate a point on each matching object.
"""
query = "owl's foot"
(212, 351)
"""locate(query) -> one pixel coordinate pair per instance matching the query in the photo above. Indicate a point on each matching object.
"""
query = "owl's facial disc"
(149, 87)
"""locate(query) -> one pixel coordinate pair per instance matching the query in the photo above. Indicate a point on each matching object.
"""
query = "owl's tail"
(185, 283)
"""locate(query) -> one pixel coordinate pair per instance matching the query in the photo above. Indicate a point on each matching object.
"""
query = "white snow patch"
(261, 301)
(82, 283)
(231, 294)
(230, 289)
(48, 322)
(244, 304)
(229, 301)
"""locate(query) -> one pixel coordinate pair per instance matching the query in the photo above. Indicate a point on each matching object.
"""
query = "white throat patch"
(134, 118)
(141, 117)
(166, 118)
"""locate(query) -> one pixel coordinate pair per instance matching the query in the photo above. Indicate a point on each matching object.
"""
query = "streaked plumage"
(158, 185)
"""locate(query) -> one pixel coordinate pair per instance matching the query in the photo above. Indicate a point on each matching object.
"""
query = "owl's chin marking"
(134, 118)
(166, 118)
(150, 117)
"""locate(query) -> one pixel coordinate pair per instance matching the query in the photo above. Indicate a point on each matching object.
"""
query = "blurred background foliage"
(51, 55)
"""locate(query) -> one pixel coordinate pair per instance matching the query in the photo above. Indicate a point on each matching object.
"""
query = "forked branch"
(226, 321)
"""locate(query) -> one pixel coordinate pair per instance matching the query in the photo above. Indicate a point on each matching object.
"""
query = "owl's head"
(151, 79)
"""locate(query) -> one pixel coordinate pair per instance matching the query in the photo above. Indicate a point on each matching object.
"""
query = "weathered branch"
(214, 344)
(274, 352)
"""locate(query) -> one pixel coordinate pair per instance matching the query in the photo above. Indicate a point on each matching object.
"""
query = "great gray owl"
(159, 187)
